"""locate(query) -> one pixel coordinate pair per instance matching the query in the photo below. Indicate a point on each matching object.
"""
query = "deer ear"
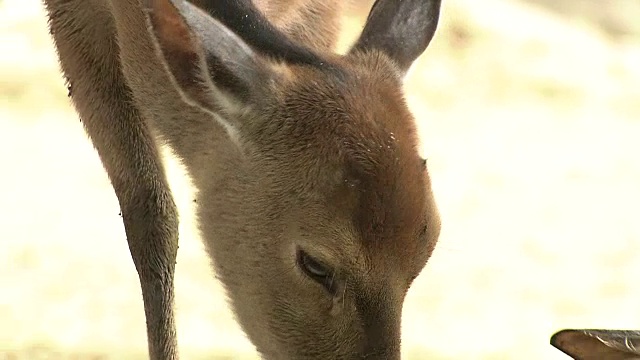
(401, 29)
(589, 344)
(211, 66)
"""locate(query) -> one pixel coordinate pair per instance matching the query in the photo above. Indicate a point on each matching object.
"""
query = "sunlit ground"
(530, 123)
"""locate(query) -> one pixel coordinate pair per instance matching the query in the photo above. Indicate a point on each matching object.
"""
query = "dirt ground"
(530, 122)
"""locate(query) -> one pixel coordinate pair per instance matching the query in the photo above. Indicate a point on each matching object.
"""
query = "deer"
(313, 201)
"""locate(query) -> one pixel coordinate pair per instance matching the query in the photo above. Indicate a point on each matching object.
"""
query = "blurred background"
(530, 117)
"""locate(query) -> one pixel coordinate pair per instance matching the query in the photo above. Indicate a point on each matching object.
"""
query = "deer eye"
(316, 270)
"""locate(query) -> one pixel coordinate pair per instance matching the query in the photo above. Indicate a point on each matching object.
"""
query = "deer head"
(318, 212)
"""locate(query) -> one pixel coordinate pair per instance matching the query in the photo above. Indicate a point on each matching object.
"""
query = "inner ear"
(181, 50)
(232, 63)
(212, 67)
(244, 19)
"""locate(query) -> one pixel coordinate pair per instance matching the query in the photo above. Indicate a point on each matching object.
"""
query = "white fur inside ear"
(218, 100)
(231, 131)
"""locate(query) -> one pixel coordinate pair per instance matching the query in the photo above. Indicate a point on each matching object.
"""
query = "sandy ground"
(530, 123)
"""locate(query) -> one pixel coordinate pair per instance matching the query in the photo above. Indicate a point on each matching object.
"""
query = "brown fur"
(286, 158)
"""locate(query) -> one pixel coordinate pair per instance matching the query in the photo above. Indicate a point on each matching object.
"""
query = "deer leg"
(151, 225)
(84, 34)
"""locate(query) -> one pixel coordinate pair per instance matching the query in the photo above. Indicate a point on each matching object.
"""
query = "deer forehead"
(340, 106)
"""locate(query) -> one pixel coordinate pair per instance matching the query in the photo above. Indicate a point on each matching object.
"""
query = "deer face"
(355, 217)
(327, 216)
